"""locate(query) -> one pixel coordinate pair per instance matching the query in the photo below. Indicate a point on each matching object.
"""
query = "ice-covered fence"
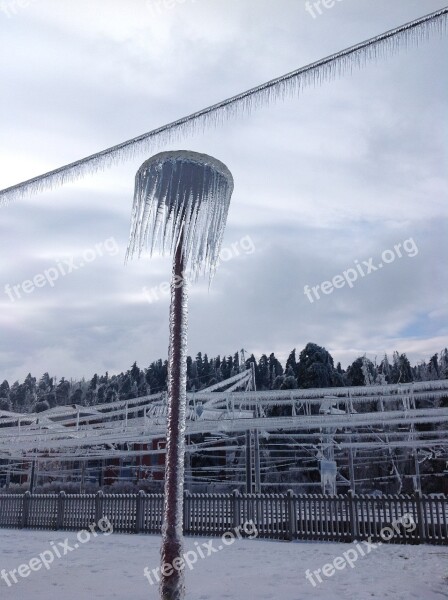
(276, 516)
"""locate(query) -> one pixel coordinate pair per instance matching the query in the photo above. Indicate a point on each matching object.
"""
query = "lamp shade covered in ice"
(181, 193)
(181, 203)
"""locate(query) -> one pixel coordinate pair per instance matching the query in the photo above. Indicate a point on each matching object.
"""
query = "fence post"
(291, 514)
(236, 508)
(186, 511)
(139, 511)
(353, 507)
(61, 510)
(26, 509)
(421, 517)
(98, 506)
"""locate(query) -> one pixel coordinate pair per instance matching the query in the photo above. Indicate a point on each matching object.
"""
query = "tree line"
(313, 367)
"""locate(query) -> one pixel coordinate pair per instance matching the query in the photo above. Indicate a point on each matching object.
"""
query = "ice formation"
(181, 192)
(345, 61)
(181, 203)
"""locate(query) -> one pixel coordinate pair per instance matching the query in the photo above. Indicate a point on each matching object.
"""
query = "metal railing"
(401, 519)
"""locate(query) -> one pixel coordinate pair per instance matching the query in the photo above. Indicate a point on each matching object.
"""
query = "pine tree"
(401, 369)
(264, 376)
(199, 365)
(62, 392)
(385, 370)
(291, 363)
(315, 367)
(206, 370)
(135, 373)
(4, 390)
(361, 372)
(5, 404)
(443, 362)
(433, 367)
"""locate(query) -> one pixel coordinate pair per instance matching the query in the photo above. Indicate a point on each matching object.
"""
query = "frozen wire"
(293, 83)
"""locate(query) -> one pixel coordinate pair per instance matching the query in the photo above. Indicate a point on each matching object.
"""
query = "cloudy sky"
(344, 174)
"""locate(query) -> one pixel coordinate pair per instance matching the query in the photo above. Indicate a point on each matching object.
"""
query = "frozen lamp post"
(181, 203)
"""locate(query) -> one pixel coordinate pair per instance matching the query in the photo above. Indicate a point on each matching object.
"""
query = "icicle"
(288, 85)
(181, 191)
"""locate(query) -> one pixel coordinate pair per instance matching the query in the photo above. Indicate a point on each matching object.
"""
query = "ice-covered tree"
(384, 371)
(5, 404)
(443, 362)
(401, 371)
(361, 372)
(315, 367)
(433, 367)
(368, 371)
(41, 406)
(291, 363)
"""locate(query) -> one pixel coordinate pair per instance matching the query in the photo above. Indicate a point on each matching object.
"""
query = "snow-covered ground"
(111, 566)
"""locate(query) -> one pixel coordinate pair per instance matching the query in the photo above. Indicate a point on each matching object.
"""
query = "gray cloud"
(347, 171)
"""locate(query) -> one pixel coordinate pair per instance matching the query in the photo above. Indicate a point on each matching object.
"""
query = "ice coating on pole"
(181, 191)
(172, 586)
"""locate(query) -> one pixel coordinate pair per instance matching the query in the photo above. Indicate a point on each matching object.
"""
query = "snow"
(111, 566)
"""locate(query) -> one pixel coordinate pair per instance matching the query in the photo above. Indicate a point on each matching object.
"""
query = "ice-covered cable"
(287, 85)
